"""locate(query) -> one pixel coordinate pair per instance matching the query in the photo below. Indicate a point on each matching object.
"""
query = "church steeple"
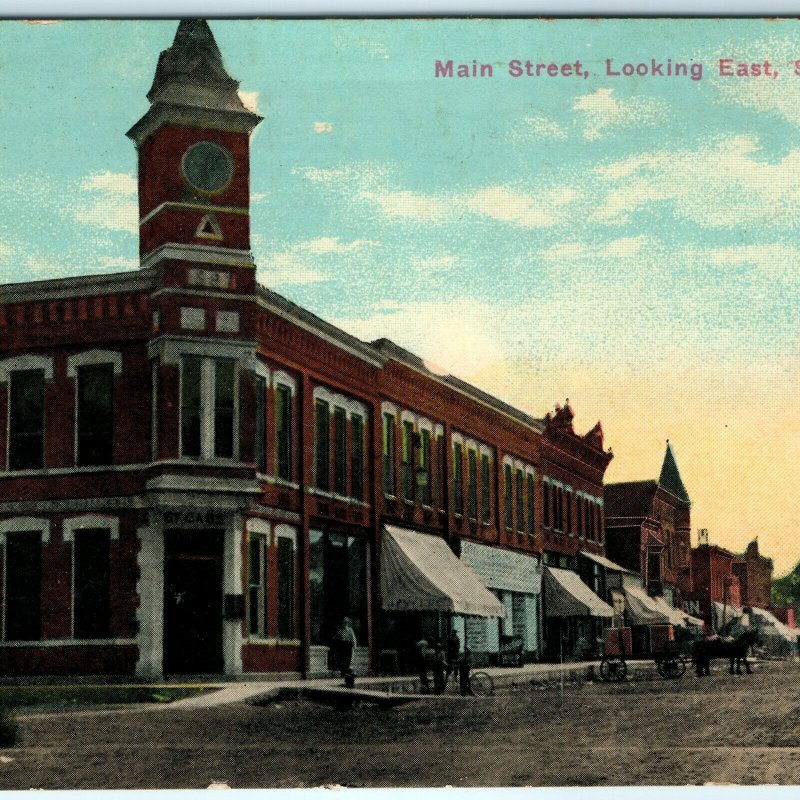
(670, 478)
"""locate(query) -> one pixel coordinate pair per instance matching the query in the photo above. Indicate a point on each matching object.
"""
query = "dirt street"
(740, 729)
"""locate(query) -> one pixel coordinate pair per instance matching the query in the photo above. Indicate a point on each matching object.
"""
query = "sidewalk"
(507, 677)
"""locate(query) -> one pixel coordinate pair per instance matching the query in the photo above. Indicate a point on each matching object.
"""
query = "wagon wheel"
(671, 667)
(613, 668)
(481, 684)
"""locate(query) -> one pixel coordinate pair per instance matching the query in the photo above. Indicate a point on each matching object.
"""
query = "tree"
(786, 590)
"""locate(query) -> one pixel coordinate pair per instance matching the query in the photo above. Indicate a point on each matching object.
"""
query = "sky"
(628, 243)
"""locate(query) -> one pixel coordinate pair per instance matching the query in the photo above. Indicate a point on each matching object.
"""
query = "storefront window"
(338, 585)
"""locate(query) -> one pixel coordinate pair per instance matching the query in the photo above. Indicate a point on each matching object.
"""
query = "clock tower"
(193, 146)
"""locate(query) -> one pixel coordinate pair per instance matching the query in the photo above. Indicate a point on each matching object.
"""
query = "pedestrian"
(344, 642)
(453, 652)
(439, 667)
(464, 665)
(421, 648)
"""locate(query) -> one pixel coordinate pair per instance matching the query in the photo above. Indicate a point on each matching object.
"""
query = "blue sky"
(629, 243)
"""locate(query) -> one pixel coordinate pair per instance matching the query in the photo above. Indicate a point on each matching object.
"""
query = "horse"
(733, 648)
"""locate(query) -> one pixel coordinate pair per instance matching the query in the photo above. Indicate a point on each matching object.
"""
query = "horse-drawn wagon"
(670, 656)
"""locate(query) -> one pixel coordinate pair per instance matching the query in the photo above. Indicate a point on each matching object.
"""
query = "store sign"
(194, 519)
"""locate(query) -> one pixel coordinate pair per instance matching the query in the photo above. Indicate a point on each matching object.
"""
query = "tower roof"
(670, 478)
(192, 86)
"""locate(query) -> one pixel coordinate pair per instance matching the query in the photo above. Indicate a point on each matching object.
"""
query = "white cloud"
(774, 259)
(433, 263)
(120, 262)
(333, 244)
(539, 128)
(109, 200)
(602, 111)
(724, 184)
(323, 127)
(524, 210)
(298, 263)
(426, 328)
(249, 100)
(625, 247)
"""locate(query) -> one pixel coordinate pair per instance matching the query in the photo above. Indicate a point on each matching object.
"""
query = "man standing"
(344, 642)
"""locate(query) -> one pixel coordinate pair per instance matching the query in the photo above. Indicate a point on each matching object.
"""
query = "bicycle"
(479, 683)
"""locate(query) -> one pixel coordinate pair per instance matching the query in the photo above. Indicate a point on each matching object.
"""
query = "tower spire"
(670, 478)
(191, 86)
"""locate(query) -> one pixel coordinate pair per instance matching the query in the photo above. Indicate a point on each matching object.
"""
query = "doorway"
(193, 602)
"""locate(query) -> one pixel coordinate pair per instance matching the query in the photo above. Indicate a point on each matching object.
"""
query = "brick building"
(202, 477)
(647, 530)
(715, 587)
(754, 572)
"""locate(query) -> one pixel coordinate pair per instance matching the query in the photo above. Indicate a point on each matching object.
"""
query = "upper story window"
(208, 407)
(95, 414)
(472, 483)
(276, 389)
(519, 486)
(546, 510)
(407, 461)
(458, 478)
(486, 510)
(339, 423)
(388, 454)
(425, 467)
(322, 444)
(508, 489)
(531, 481)
(26, 419)
(283, 431)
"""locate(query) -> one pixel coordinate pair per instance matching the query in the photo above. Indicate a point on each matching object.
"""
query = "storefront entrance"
(193, 602)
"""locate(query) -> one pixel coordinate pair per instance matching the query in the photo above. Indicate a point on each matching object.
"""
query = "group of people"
(432, 655)
(441, 660)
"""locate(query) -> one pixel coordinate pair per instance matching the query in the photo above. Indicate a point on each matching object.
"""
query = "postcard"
(399, 402)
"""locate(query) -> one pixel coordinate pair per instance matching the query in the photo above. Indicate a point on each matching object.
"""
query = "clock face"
(207, 167)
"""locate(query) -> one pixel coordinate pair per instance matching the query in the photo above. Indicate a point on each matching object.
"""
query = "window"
(95, 414)
(579, 514)
(208, 407)
(23, 575)
(340, 451)
(322, 444)
(485, 489)
(407, 461)
(91, 583)
(338, 585)
(546, 504)
(425, 466)
(261, 423)
(271, 580)
(520, 484)
(257, 586)
(531, 504)
(556, 508)
(388, 455)
(458, 478)
(568, 504)
(441, 455)
(357, 457)
(472, 484)
(283, 432)
(286, 579)
(224, 380)
(507, 491)
(26, 419)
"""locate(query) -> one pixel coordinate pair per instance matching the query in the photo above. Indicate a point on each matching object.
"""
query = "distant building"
(714, 586)
(647, 530)
(754, 572)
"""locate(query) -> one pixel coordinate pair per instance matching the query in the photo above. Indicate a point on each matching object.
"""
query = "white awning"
(604, 562)
(419, 572)
(506, 570)
(676, 616)
(765, 619)
(643, 609)
(566, 595)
